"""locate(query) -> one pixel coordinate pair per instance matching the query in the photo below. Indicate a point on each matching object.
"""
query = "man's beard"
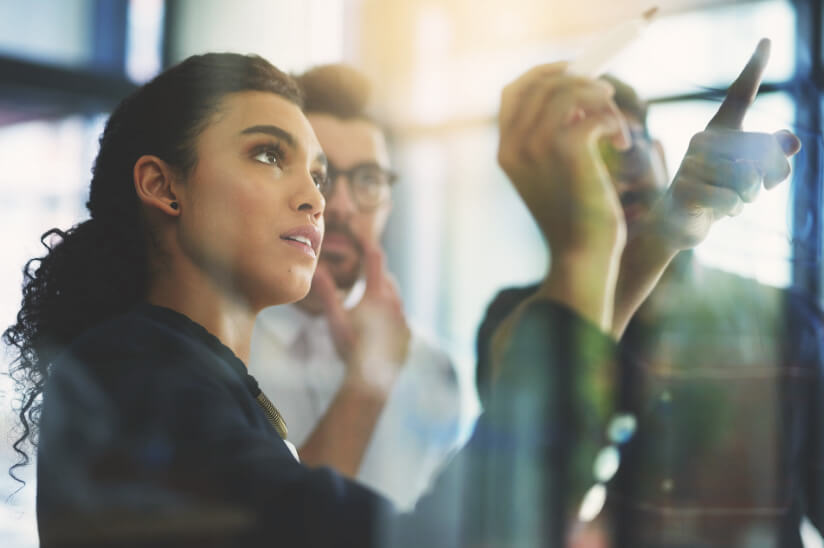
(344, 277)
(646, 196)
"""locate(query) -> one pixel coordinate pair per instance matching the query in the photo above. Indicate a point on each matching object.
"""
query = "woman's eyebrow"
(274, 131)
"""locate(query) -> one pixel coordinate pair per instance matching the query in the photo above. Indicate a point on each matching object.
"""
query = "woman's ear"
(153, 182)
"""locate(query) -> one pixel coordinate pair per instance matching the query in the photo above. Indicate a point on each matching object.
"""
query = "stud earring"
(174, 205)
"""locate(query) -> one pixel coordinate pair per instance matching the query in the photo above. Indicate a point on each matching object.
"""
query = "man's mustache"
(342, 229)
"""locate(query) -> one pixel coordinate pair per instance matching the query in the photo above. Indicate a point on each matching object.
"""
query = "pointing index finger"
(741, 93)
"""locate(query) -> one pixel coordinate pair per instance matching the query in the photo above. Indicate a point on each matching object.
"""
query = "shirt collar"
(286, 322)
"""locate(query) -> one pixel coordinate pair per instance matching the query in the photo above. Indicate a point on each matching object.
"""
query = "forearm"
(546, 418)
(341, 437)
(584, 284)
(645, 258)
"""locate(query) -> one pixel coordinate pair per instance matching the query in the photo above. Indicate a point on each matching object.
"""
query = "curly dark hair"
(99, 268)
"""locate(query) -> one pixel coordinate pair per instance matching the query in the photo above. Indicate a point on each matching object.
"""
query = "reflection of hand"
(550, 124)
(372, 338)
(724, 167)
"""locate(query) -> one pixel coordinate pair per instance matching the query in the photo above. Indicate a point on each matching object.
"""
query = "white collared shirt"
(294, 360)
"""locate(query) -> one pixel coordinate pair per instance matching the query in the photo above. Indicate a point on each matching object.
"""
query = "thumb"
(373, 262)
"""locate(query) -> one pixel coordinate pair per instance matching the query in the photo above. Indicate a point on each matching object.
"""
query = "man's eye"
(369, 178)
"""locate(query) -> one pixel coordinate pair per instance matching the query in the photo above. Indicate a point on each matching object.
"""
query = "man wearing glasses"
(360, 392)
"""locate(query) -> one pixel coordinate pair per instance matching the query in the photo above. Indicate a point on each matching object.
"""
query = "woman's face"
(251, 215)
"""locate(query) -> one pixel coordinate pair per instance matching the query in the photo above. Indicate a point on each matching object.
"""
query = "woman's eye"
(320, 180)
(269, 156)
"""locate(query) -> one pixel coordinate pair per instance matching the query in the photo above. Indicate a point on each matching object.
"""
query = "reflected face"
(349, 143)
(251, 212)
(639, 174)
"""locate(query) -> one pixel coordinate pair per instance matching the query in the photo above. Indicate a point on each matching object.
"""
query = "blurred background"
(458, 233)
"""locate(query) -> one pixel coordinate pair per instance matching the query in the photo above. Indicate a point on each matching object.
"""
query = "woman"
(205, 207)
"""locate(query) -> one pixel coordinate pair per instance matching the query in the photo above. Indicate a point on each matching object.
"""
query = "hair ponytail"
(92, 272)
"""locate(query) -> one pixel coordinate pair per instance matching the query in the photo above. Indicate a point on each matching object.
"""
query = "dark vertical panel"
(171, 9)
(110, 26)
(807, 198)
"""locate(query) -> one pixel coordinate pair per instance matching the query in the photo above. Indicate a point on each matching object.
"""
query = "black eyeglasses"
(369, 184)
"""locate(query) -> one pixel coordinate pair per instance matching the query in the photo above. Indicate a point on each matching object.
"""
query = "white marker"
(595, 60)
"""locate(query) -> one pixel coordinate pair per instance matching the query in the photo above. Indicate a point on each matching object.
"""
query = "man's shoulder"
(425, 354)
(510, 297)
(504, 302)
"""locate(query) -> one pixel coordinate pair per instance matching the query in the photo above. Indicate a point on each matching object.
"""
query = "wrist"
(585, 284)
(373, 382)
(657, 247)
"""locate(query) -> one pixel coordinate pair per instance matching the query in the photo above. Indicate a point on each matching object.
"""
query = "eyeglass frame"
(332, 174)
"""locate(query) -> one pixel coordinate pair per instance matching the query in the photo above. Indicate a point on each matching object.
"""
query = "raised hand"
(373, 337)
(724, 167)
(550, 125)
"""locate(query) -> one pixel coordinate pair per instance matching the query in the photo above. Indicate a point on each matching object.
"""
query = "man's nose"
(341, 200)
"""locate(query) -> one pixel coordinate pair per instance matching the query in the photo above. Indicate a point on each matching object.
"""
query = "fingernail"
(790, 144)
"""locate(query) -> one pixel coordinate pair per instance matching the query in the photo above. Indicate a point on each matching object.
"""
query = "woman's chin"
(298, 296)
(287, 292)
(298, 289)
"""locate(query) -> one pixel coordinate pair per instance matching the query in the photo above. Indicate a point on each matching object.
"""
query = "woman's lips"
(306, 238)
(306, 248)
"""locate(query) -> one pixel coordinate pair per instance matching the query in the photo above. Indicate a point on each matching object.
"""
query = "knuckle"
(691, 162)
(534, 151)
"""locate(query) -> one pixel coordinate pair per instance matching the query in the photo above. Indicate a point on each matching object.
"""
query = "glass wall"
(65, 64)
(44, 183)
(451, 184)
(459, 233)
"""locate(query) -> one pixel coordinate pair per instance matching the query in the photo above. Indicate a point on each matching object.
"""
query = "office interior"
(458, 232)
